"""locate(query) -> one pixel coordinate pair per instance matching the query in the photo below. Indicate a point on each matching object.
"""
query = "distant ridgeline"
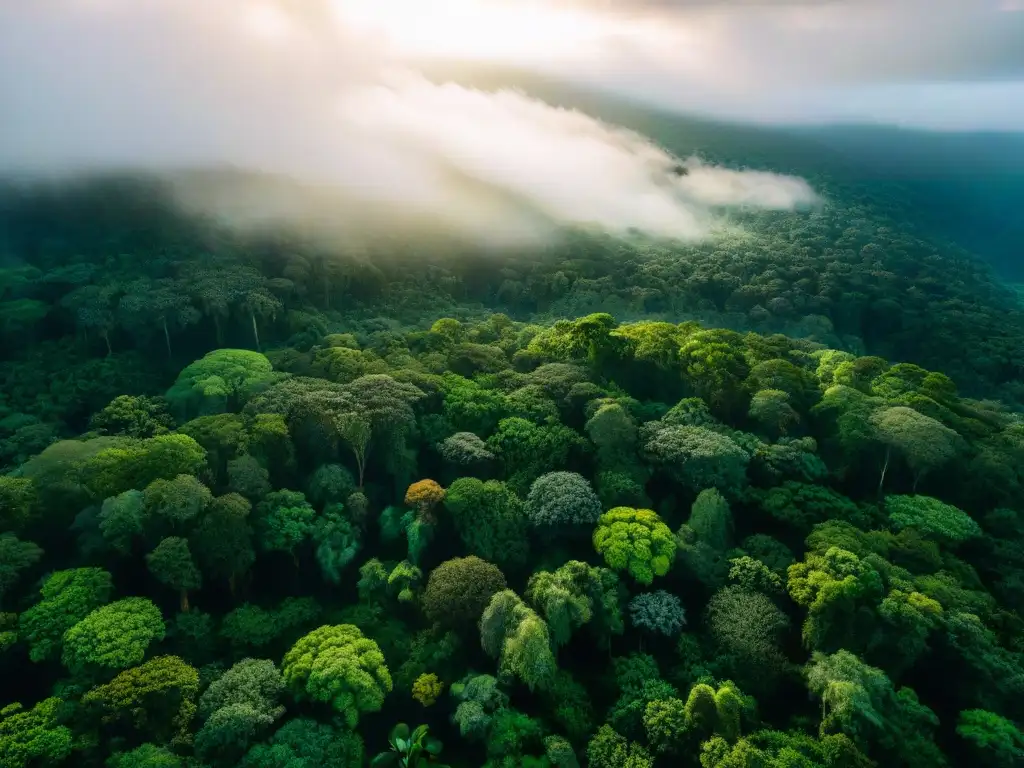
(107, 287)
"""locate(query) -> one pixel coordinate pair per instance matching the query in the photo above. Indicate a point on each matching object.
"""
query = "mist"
(367, 143)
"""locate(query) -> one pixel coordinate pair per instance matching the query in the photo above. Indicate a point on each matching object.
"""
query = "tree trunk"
(184, 601)
(167, 338)
(885, 468)
(255, 331)
(362, 467)
(106, 338)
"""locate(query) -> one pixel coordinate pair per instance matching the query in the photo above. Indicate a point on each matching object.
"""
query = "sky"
(329, 92)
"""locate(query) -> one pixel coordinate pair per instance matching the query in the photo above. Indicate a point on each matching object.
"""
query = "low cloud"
(94, 85)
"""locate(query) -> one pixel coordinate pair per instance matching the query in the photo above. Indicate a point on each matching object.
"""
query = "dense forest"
(274, 503)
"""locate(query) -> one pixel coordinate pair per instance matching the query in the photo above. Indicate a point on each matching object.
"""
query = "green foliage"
(490, 520)
(253, 627)
(35, 736)
(834, 587)
(458, 590)
(696, 457)
(711, 519)
(113, 637)
(284, 519)
(576, 594)
(114, 470)
(218, 382)
(157, 697)
(409, 749)
(518, 638)
(560, 501)
(133, 416)
(659, 612)
(222, 541)
(608, 749)
(931, 517)
(337, 543)
(861, 702)
(635, 540)
(305, 743)
(15, 557)
(338, 665)
(67, 598)
(993, 739)
(236, 707)
(171, 563)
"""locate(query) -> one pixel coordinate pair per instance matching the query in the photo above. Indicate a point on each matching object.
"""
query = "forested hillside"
(272, 501)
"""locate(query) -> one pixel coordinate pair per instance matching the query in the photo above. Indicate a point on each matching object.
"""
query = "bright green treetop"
(68, 597)
(33, 736)
(635, 540)
(337, 664)
(113, 637)
(157, 697)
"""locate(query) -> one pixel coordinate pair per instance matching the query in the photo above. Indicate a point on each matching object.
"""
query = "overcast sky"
(328, 91)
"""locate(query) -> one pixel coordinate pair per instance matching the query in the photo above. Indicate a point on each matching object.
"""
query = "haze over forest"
(511, 383)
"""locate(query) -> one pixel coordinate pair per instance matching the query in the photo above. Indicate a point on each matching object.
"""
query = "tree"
(330, 484)
(562, 501)
(514, 634)
(304, 743)
(427, 689)
(529, 450)
(465, 449)
(697, 457)
(771, 409)
(666, 725)
(711, 519)
(614, 432)
(133, 416)
(635, 540)
(659, 612)
(15, 557)
(942, 522)
(924, 443)
(337, 542)
(337, 665)
(860, 701)
(459, 590)
(158, 696)
(145, 756)
(424, 495)
(122, 520)
(68, 597)
(834, 587)
(284, 519)
(574, 595)
(34, 736)
(162, 302)
(171, 563)
(608, 749)
(246, 476)
(993, 740)
(748, 629)
(237, 706)
(177, 502)
(113, 637)
(490, 520)
(136, 465)
(222, 541)
(220, 381)
(250, 627)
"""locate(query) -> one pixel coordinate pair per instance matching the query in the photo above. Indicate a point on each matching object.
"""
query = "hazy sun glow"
(475, 29)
